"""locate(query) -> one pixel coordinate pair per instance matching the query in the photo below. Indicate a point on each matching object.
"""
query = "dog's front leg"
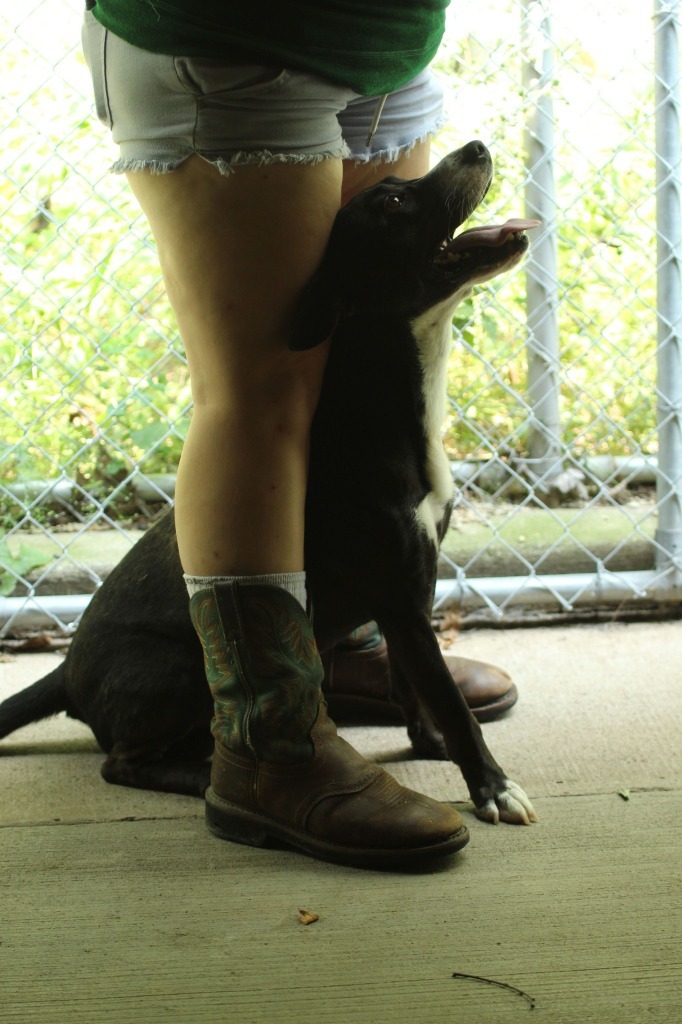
(416, 656)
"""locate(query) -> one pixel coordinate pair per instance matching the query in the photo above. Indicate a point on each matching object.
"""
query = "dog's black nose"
(475, 152)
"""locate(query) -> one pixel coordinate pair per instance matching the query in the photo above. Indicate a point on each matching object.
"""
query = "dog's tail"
(42, 699)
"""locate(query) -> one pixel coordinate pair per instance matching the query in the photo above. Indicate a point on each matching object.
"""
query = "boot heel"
(235, 825)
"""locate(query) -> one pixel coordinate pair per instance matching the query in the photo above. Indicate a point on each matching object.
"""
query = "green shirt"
(371, 46)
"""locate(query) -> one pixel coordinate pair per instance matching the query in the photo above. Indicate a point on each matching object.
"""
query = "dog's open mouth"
(491, 244)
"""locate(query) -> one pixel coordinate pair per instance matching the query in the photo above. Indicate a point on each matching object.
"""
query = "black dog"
(378, 504)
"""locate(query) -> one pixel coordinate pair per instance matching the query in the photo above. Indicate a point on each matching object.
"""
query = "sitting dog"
(379, 499)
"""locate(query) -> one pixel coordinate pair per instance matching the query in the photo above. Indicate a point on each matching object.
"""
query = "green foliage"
(606, 250)
(17, 563)
(94, 383)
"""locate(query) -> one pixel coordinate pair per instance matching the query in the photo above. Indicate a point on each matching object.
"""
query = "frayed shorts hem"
(261, 158)
(264, 157)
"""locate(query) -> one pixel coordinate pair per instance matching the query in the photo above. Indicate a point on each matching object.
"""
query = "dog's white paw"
(510, 804)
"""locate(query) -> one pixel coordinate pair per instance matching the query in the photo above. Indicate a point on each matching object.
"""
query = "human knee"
(282, 390)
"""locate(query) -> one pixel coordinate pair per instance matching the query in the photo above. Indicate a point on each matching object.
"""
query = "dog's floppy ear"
(317, 314)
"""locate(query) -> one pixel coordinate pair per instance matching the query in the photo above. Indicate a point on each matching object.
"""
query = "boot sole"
(228, 821)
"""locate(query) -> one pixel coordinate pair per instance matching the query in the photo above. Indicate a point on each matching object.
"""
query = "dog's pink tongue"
(491, 235)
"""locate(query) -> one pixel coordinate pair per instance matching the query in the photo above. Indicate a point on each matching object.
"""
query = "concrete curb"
(567, 540)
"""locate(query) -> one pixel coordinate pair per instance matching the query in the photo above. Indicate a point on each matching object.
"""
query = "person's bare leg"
(236, 252)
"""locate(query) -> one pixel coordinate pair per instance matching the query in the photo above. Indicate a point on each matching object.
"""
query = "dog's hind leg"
(415, 651)
(176, 770)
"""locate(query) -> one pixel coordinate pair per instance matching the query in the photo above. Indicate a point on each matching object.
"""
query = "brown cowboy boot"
(357, 681)
(280, 770)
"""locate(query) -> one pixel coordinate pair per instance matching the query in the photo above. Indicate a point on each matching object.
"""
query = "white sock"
(292, 582)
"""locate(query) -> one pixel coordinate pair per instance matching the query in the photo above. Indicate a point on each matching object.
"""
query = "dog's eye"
(393, 202)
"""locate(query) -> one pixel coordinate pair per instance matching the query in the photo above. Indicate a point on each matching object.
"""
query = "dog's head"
(392, 248)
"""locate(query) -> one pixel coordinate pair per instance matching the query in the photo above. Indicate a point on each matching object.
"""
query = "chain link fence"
(565, 420)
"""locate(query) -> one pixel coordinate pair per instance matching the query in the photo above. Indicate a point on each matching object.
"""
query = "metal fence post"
(669, 285)
(545, 449)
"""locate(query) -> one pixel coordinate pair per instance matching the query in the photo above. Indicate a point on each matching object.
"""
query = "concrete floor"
(119, 906)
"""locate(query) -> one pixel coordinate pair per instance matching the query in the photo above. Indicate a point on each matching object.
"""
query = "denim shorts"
(163, 109)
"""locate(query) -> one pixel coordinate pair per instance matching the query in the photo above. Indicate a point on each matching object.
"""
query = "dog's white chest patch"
(433, 335)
